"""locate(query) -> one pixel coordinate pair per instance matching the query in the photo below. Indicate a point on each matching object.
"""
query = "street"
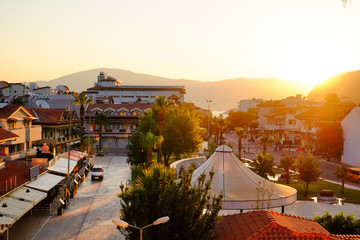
(89, 214)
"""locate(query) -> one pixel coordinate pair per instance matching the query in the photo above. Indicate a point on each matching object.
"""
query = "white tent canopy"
(241, 187)
(61, 166)
(29, 195)
(45, 182)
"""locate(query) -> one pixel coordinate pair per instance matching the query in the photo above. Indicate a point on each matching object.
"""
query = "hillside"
(344, 85)
(225, 94)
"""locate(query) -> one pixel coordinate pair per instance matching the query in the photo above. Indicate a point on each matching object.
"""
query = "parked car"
(97, 172)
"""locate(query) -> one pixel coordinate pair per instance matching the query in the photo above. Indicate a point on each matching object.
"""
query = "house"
(246, 104)
(123, 120)
(55, 124)
(109, 87)
(271, 225)
(351, 135)
(18, 124)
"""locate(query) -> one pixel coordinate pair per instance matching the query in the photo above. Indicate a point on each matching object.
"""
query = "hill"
(225, 94)
(344, 85)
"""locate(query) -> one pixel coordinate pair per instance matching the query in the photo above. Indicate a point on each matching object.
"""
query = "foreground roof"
(241, 187)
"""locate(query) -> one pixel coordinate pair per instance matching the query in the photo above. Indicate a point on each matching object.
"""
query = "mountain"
(344, 85)
(225, 94)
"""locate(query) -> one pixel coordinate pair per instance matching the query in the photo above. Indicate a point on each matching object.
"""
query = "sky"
(206, 40)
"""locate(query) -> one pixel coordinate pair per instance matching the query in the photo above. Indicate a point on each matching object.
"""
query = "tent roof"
(45, 182)
(241, 187)
(29, 195)
(61, 166)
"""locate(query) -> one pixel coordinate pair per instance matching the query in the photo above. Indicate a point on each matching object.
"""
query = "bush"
(159, 194)
(339, 223)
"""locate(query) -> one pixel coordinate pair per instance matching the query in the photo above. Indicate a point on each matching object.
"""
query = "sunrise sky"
(308, 40)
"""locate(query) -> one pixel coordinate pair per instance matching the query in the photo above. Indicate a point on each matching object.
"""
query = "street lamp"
(209, 102)
(123, 224)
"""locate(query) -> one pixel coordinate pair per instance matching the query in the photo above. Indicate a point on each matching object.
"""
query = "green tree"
(308, 170)
(241, 119)
(332, 98)
(82, 100)
(339, 223)
(263, 165)
(241, 133)
(287, 163)
(149, 142)
(136, 153)
(266, 140)
(330, 139)
(18, 101)
(181, 132)
(101, 120)
(341, 173)
(219, 126)
(154, 196)
(160, 107)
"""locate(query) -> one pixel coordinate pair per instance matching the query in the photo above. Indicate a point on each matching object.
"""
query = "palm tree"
(341, 173)
(263, 165)
(241, 133)
(82, 100)
(220, 124)
(101, 120)
(160, 107)
(265, 141)
(148, 142)
(287, 163)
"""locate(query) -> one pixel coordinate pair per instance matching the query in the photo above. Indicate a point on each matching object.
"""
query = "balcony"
(33, 133)
(14, 156)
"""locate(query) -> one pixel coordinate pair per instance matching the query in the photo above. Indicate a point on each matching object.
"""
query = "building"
(351, 134)
(245, 105)
(55, 124)
(123, 120)
(18, 124)
(272, 225)
(111, 88)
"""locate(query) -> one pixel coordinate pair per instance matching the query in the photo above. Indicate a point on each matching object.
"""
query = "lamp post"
(123, 224)
(69, 148)
(209, 102)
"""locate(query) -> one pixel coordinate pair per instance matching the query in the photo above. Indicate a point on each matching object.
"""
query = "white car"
(97, 172)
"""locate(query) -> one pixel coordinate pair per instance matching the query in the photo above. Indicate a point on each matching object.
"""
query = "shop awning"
(5, 222)
(61, 166)
(29, 195)
(15, 208)
(45, 182)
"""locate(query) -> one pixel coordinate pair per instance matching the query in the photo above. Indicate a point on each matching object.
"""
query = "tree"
(148, 142)
(341, 173)
(101, 120)
(154, 196)
(82, 100)
(241, 119)
(339, 223)
(160, 107)
(265, 141)
(330, 139)
(332, 98)
(18, 101)
(287, 163)
(219, 125)
(308, 170)
(263, 165)
(136, 153)
(181, 132)
(241, 133)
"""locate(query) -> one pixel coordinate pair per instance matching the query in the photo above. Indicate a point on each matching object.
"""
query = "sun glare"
(314, 59)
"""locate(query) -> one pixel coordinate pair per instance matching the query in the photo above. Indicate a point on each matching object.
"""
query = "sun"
(313, 59)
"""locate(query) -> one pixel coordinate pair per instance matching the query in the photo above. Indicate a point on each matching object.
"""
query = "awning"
(14, 208)
(5, 222)
(28, 194)
(61, 166)
(45, 182)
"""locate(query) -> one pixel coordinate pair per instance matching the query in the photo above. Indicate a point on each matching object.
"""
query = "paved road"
(89, 214)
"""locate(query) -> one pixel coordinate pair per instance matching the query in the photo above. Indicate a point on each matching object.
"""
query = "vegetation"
(242, 119)
(339, 223)
(136, 156)
(308, 170)
(82, 100)
(155, 195)
(101, 120)
(330, 139)
(287, 163)
(18, 101)
(341, 173)
(241, 133)
(149, 141)
(266, 140)
(218, 127)
(263, 165)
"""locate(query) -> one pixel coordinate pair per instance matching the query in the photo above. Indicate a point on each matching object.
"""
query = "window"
(292, 122)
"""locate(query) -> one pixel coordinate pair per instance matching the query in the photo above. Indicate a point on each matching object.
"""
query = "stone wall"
(183, 164)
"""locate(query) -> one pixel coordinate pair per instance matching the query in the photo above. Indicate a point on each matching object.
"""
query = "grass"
(315, 188)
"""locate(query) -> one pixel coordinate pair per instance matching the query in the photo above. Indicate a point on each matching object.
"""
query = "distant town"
(64, 154)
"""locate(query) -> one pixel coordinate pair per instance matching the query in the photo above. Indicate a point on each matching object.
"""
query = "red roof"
(51, 115)
(268, 225)
(6, 135)
(10, 109)
(116, 106)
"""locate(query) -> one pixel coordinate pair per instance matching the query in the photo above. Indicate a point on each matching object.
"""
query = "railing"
(16, 155)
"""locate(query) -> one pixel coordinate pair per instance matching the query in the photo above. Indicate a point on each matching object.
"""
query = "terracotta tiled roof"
(268, 225)
(326, 113)
(50, 115)
(276, 103)
(5, 135)
(10, 109)
(344, 237)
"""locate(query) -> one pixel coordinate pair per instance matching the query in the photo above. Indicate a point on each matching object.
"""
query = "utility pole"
(68, 148)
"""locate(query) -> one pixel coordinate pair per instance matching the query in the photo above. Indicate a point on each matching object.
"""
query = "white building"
(351, 134)
(122, 94)
(244, 105)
